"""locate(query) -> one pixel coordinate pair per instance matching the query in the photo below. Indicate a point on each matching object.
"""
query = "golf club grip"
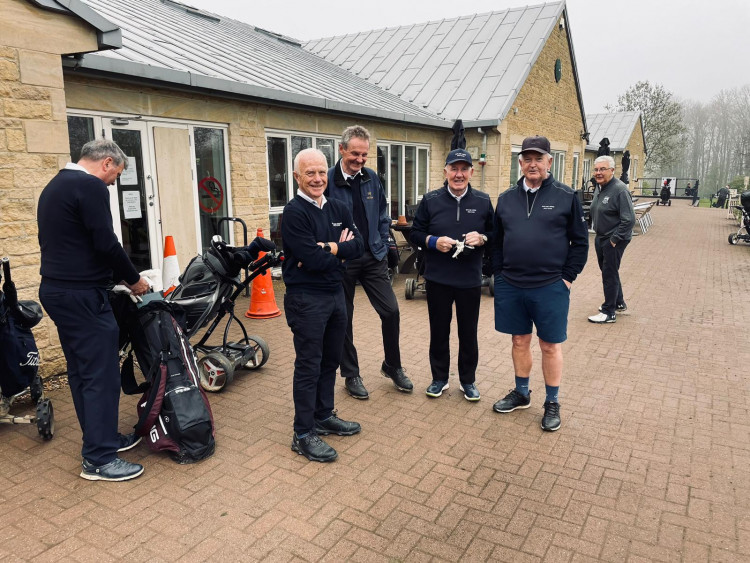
(6, 268)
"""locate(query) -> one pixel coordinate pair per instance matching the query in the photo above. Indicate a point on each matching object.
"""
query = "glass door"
(136, 197)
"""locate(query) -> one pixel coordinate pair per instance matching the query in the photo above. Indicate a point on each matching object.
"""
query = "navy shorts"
(517, 308)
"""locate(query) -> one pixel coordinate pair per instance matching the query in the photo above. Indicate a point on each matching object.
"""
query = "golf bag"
(173, 412)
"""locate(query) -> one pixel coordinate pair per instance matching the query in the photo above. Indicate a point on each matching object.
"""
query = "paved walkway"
(651, 463)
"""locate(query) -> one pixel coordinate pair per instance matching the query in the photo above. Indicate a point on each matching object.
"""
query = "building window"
(558, 165)
(586, 172)
(80, 132)
(282, 148)
(213, 203)
(576, 179)
(634, 170)
(403, 171)
(515, 167)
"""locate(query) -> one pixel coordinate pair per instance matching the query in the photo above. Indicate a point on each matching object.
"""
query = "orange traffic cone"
(170, 268)
(262, 299)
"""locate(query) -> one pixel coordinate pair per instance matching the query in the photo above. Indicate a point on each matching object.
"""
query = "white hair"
(608, 159)
(308, 152)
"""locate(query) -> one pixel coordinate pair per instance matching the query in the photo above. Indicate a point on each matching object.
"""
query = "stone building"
(211, 112)
(624, 130)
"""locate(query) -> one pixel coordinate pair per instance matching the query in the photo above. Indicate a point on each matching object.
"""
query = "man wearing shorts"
(540, 246)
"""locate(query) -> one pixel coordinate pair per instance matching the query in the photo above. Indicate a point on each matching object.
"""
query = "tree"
(662, 123)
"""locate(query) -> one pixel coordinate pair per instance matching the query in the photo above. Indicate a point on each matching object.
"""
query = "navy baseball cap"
(458, 155)
(536, 144)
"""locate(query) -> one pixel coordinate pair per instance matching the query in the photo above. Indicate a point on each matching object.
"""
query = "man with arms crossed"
(540, 246)
(360, 189)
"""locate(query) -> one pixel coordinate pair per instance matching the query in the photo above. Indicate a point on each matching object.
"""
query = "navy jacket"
(303, 225)
(439, 214)
(373, 199)
(538, 244)
(79, 246)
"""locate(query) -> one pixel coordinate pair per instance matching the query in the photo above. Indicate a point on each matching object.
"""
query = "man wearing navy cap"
(452, 224)
(541, 244)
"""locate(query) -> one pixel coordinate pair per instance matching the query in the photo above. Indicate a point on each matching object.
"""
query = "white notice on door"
(129, 176)
(131, 205)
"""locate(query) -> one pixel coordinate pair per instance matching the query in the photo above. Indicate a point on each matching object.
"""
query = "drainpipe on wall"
(482, 156)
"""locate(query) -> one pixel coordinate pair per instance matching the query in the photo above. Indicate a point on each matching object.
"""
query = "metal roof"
(176, 44)
(470, 67)
(617, 127)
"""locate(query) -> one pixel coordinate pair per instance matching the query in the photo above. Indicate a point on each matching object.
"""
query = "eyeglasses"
(602, 169)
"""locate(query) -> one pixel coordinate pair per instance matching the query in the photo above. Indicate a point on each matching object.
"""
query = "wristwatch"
(484, 238)
(327, 247)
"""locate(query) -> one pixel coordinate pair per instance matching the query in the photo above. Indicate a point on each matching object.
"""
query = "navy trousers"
(88, 335)
(318, 323)
(440, 300)
(372, 276)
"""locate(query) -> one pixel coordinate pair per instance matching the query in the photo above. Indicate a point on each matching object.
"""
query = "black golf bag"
(173, 412)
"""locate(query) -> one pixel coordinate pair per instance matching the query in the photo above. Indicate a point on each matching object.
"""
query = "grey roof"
(617, 127)
(470, 67)
(108, 35)
(178, 45)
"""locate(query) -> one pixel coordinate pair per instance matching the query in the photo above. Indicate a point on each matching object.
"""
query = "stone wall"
(33, 138)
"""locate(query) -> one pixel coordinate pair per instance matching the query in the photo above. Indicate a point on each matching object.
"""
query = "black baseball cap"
(536, 144)
(458, 155)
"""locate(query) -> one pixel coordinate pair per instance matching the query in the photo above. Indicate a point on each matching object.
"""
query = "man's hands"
(473, 239)
(346, 236)
(140, 287)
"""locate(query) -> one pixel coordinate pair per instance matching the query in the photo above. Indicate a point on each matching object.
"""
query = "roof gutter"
(137, 73)
(108, 35)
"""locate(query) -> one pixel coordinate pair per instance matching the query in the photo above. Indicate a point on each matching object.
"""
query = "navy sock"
(552, 393)
(522, 385)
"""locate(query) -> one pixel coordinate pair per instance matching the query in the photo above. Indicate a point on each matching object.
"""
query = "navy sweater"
(303, 225)
(439, 214)
(540, 239)
(79, 246)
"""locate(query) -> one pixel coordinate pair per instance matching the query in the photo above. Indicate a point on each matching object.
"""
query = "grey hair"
(608, 159)
(308, 152)
(99, 149)
(354, 131)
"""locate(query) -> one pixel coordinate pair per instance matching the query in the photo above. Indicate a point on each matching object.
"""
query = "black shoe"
(128, 441)
(334, 425)
(313, 448)
(551, 418)
(471, 393)
(356, 388)
(620, 309)
(512, 401)
(116, 470)
(398, 376)
(436, 388)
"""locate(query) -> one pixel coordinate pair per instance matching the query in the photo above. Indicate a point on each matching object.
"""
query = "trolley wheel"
(492, 285)
(45, 419)
(36, 389)
(411, 284)
(215, 371)
(260, 352)
(734, 238)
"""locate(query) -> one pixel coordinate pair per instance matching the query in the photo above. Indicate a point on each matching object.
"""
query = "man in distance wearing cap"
(540, 246)
(452, 224)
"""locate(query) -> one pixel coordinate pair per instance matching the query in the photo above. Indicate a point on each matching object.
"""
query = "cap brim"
(534, 149)
(458, 160)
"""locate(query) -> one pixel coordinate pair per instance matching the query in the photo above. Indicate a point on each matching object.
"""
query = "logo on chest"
(336, 224)
(605, 199)
(548, 206)
(471, 211)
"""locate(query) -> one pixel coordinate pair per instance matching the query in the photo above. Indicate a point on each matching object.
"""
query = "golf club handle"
(6, 268)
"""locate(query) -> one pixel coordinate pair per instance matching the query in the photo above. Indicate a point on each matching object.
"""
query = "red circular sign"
(210, 194)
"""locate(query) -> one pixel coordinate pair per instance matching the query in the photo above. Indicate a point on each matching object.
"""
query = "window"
(281, 148)
(634, 170)
(586, 172)
(210, 163)
(576, 182)
(403, 171)
(515, 168)
(558, 165)
(80, 132)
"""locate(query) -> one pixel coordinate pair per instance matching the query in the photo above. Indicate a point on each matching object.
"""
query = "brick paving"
(649, 465)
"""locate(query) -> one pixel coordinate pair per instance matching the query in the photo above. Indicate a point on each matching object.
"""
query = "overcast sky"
(694, 48)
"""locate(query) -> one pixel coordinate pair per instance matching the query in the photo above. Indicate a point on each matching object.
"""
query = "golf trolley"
(734, 238)
(208, 289)
(19, 359)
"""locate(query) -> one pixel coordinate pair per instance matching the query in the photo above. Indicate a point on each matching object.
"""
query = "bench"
(643, 216)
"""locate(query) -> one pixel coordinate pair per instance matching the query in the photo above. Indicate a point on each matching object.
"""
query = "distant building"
(624, 129)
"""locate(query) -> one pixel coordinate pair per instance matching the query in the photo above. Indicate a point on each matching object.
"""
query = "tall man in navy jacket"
(452, 225)
(81, 256)
(541, 245)
(360, 189)
(318, 236)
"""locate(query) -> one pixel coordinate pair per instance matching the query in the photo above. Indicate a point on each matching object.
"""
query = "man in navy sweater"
(541, 245)
(451, 225)
(318, 235)
(350, 182)
(81, 256)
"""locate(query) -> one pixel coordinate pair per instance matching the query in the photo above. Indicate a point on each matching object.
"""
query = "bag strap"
(154, 401)
(127, 377)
